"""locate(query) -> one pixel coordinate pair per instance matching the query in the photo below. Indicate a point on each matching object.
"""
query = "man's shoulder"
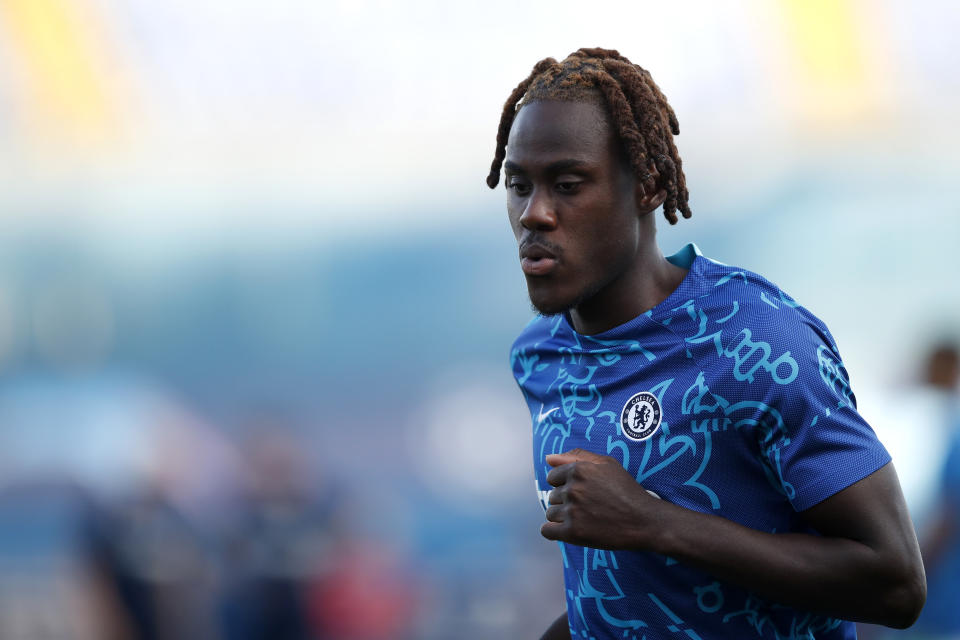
(746, 300)
(742, 324)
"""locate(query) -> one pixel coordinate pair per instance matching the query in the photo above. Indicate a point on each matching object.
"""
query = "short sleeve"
(824, 445)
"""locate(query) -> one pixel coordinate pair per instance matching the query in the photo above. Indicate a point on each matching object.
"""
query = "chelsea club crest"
(640, 417)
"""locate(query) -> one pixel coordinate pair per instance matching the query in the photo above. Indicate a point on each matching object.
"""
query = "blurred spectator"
(941, 541)
(155, 541)
(282, 540)
(160, 571)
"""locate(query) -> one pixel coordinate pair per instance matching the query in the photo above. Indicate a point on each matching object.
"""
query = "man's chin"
(549, 307)
(545, 312)
(555, 305)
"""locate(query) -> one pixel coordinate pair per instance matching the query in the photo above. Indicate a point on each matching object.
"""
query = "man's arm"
(558, 630)
(864, 566)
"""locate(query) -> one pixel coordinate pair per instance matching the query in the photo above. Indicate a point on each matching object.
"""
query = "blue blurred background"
(256, 300)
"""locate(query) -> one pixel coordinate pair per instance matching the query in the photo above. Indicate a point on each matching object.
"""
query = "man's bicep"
(871, 511)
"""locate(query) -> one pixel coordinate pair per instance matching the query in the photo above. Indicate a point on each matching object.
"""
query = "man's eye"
(568, 187)
(519, 187)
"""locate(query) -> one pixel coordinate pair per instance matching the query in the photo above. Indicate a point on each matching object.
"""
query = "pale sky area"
(141, 114)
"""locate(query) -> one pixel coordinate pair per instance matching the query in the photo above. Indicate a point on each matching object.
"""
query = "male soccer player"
(696, 443)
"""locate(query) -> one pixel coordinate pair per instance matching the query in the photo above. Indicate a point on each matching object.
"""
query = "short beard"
(545, 314)
(583, 297)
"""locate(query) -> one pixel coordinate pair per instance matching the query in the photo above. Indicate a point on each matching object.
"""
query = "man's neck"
(648, 284)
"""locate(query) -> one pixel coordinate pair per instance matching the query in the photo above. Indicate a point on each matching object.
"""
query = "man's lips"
(537, 260)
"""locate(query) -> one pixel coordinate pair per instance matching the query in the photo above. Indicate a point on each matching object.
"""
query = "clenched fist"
(597, 503)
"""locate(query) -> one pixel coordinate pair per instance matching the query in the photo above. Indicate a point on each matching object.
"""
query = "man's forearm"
(836, 576)
(559, 630)
(865, 565)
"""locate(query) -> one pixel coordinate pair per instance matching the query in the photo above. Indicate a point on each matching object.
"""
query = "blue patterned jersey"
(726, 398)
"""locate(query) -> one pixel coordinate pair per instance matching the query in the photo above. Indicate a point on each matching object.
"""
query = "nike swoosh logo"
(541, 416)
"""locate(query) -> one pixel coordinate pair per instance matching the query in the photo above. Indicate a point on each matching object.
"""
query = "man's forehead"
(559, 128)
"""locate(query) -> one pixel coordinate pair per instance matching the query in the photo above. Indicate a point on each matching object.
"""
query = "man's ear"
(649, 193)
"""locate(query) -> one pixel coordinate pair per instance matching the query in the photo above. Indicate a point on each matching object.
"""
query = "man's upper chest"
(649, 404)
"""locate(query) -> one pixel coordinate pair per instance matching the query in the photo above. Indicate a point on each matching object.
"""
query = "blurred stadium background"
(256, 300)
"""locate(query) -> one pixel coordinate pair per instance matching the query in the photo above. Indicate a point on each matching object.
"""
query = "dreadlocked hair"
(644, 122)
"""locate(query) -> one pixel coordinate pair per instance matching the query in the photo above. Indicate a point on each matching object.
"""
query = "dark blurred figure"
(295, 568)
(155, 541)
(157, 566)
(281, 544)
(941, 543)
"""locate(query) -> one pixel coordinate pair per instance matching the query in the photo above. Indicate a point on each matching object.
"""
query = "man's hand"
(597, 503)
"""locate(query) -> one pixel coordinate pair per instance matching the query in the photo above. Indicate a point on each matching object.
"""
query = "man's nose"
(540, 213)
